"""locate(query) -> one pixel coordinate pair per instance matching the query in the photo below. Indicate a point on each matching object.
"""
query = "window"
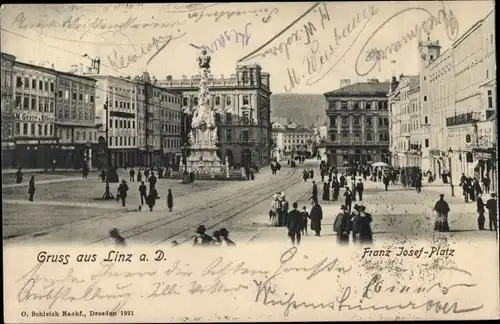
(217, 100)
(369, 137)
(66, 94)
(426, 142)
(356, 120)
(80, 97)
(46, 130)
(26, 103)
(333, 137)
(33, 104)
(59, 94)
(228, 100)
(246, 100)
(355, 105)
(33, 84)
(91, 98)
(229, 117)
(46, 86)
(345, 121)
(245, 77)
(343, 105)
(333, 120)
(33, 129)
(18, 102)
(425, 98)
(228, 134)
(184, 101)
(19, 82)
(25, 129)
(368, 105)
(133, 106)
(52, 89)
(26, 83)
(128, 124)
(195, 101)
(133, 123)
(128, 105)
(18, 128)
(490, 99)
(116, 123)
(426, 120)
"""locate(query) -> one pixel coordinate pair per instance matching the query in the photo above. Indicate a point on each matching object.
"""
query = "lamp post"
(107, 194)
(451, 173)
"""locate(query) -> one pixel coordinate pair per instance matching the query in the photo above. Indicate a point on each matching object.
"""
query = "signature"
(376, 55)
(158, 44)
(267, 295)
(314, 63)
(227, 36)
(181, 8)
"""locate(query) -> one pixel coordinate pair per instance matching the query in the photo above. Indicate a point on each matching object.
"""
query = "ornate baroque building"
(358, 127)
(243, 122)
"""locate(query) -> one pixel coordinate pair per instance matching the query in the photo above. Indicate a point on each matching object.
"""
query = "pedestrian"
(201, 238)
(103, 175)
(294, 224)
(342, 225)
(143, 192)
(132, 174)
(146, 173)
(305, 216)
(117, 238)
(31, 188)
(122, 192)
(355, 222)
(151, 199)
(360, 188)
(316, 215)
(442, 209)
(216, 237)
(486, 184)
(139, 175)
(274, 211)
(19, 175)
(348, 199)
(152, 181)
(284, 210)
(418, 184)
(170, 200)
(364, 226)
(386, 182)
(491, 205)
(480, 213)
(314, 196)
(226, 241)
(326, 191)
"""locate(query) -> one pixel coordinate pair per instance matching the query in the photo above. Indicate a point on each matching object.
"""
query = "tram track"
(149, 226)
(231, 213)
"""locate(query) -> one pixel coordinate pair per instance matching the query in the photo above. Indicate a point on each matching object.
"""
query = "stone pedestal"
(203, 158)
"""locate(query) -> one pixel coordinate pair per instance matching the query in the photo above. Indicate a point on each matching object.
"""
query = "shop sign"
(482, 156)
(48, 142)
(31, 117)
(67, 147)
(27, 142)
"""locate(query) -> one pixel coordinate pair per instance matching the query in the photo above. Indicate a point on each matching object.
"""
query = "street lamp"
(107, 194)
(450, 151)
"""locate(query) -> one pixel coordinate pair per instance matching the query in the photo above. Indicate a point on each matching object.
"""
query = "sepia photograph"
(362, 134)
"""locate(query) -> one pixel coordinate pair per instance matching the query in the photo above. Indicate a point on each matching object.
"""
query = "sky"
(307, 47)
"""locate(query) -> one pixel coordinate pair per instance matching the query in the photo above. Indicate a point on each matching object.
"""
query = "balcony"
(462, 119)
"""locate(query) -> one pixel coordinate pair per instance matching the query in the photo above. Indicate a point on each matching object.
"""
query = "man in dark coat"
(491, 205)
(143, 192)
(442, 209)
(314, 192)
(480, 213)
(316, 215)
(170, 200)
(152, 181)
(294, 224)
(31, 188)
(326, 191)
(360, 188)
(19, 175)
(132, 175)
(122, 191)
(348, 199)
(342, 225)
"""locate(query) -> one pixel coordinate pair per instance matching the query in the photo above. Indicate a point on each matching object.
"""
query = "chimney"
(53, 67)
(344, 82)
(81, 69)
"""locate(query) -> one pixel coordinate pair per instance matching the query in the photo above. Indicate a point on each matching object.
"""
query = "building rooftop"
(368, 89)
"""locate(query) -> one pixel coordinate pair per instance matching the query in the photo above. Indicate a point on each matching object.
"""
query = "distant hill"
(300, 108)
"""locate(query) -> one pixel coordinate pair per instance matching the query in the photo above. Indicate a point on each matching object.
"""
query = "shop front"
(35, 153)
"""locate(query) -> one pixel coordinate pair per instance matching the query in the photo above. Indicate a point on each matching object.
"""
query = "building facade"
(35, 141)
(170, 127)
(291, 140)
(458, 88)
(358, 124)
(409, 138)
(120, 118)
(75, 124)
(244, 115)
(7, 93)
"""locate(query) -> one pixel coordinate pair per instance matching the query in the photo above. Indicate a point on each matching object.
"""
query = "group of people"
(307, 174)
(471, 187)
(275, 166)
(297, 221)
(356, 224)
(219, 237)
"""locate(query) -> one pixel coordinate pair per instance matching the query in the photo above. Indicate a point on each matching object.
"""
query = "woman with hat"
(201, 238)
(363, 225)
(226, 241)
(355, 222)
(442, 209)
(274, 211)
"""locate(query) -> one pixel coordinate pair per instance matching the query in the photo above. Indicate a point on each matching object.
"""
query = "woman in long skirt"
(442, 209)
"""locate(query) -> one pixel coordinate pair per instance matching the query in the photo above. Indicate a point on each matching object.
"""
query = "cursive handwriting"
(119, 62)
(268, 296)
(86, 26)
(375, 56)
(219, 268)
(321, 55)
(181, 7)
(228, 14)
(227, 35)
(214, 288)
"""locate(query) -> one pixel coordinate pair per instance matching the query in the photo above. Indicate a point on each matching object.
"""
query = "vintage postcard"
(261, 161)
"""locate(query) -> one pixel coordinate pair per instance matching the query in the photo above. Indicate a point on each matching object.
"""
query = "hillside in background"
(302, 109)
